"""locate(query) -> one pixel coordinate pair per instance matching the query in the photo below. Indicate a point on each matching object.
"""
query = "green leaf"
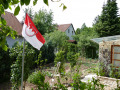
(10, 7)
(15, 2)
(64, 7)
(5, 4)
(22, 2)
(35, 2)
(17, 9)
(4, 47)
(9, 1)
(3, 21)
(1, 9)
(46, 2)
(27, 2)
(13, 34)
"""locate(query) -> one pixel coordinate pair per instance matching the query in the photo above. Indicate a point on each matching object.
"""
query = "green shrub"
(79, 85)
(38, 79)
(16, 68)
(60, 57)
(5, 63)
(114, 72)
(59, 85)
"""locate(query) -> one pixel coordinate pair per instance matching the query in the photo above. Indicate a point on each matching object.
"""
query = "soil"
(7, 85)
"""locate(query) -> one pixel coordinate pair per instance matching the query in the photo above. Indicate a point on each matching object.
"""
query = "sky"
(77, 12)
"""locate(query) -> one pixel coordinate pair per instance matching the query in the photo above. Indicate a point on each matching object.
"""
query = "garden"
(60, 65)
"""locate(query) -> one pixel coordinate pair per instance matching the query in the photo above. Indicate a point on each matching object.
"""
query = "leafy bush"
(5, 63)
(114, 72)
(59, 85)
(16, 68)
(60, 58)
(48, 52)
(38, 78)
(93, 85)
(84, 42)
(40, 62)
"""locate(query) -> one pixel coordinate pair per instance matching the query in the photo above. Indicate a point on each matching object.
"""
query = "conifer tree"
(108, 23)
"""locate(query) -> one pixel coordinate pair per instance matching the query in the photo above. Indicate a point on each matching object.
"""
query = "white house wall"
(11, 41)
(69, 32)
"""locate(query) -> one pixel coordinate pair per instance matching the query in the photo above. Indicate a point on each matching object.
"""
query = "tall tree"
(108, 23)
(29, 11)
(79, 30)
(44, 21)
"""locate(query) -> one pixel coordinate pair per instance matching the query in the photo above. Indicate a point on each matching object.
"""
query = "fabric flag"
(31, 34)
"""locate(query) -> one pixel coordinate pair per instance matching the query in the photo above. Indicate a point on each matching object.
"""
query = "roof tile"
(63, 27)
(13, 22)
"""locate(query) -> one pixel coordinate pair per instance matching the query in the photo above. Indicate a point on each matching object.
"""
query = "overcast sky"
(77, 12)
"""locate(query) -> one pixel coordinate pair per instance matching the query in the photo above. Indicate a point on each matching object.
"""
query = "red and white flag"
(31, 34)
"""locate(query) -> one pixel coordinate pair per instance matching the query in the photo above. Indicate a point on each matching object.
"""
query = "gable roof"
(12, 21)
(63, 27)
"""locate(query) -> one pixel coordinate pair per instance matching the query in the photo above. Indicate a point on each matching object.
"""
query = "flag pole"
(22, 64)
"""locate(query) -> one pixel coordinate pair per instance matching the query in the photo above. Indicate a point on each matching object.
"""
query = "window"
(68, 30)
(115, 55)
(72, 32)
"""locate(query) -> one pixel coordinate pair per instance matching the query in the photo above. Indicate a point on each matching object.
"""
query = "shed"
(109, 51)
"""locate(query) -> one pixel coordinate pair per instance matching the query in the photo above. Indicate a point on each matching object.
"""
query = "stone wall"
(110, 83)
(105, 54)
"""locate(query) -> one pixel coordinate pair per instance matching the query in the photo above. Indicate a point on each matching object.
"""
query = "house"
(13, 22)
(109, 52)
(68, 29)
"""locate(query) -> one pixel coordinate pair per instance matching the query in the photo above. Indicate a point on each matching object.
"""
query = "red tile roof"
(13, 22)
(63, 27)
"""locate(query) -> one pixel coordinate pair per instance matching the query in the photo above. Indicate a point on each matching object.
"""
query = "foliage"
(94, 68)
(38, 78)
(114, 72)
(43, 20)
(93, 85)
(60, 85)
(16, 69)
(48, 52)
(40, 62)
(72, 58)
(5, 31)
(101, 69)
(60, 57)
(57, 38)
(108, 22)
(79, 30)
(5, 4)
(5, 63)
(77, 83)
(47, 73)
(29, 11)
(87, 48)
